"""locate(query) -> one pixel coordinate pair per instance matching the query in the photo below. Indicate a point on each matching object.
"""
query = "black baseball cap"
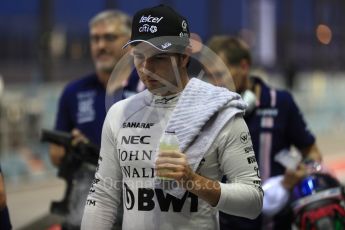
(160, 26)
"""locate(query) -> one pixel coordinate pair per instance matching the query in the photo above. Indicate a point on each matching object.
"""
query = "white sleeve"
(103, 205)
(242, 195)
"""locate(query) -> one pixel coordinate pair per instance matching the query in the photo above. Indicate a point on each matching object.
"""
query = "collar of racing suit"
(162, 101)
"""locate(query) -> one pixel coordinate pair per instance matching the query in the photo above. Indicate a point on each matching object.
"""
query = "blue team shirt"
(274, 125)
(82, 105)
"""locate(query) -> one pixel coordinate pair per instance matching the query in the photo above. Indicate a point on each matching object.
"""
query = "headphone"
(249, 98)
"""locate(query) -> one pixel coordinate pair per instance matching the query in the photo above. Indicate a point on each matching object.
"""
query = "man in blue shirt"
(82, 105)
(274, 121)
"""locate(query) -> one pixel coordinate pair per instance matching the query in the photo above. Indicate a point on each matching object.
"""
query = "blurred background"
(297, 45)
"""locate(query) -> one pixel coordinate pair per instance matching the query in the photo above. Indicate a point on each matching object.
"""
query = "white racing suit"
(125, 176)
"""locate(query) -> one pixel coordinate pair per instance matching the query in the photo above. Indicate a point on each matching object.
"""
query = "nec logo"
(135, 140)
(149, 18)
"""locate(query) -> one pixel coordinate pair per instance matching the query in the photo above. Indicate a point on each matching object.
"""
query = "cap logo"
(184, 25)
(183, 35)
(147, 28)
(153, 29)
(149, 18)
(144, 28)
(166, 45)
(148, 23)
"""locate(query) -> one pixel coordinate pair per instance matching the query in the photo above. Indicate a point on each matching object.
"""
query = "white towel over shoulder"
(200, 114)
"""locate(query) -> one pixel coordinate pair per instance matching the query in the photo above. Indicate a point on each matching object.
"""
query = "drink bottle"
(168, 142)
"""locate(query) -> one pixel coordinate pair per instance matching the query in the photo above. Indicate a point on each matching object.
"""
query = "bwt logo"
(146, 202)
(135, 140)
(149, 18)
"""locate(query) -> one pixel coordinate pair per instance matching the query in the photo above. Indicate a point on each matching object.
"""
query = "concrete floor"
(29, 202)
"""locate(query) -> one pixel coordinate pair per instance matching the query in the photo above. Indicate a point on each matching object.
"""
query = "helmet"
(319, 203)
